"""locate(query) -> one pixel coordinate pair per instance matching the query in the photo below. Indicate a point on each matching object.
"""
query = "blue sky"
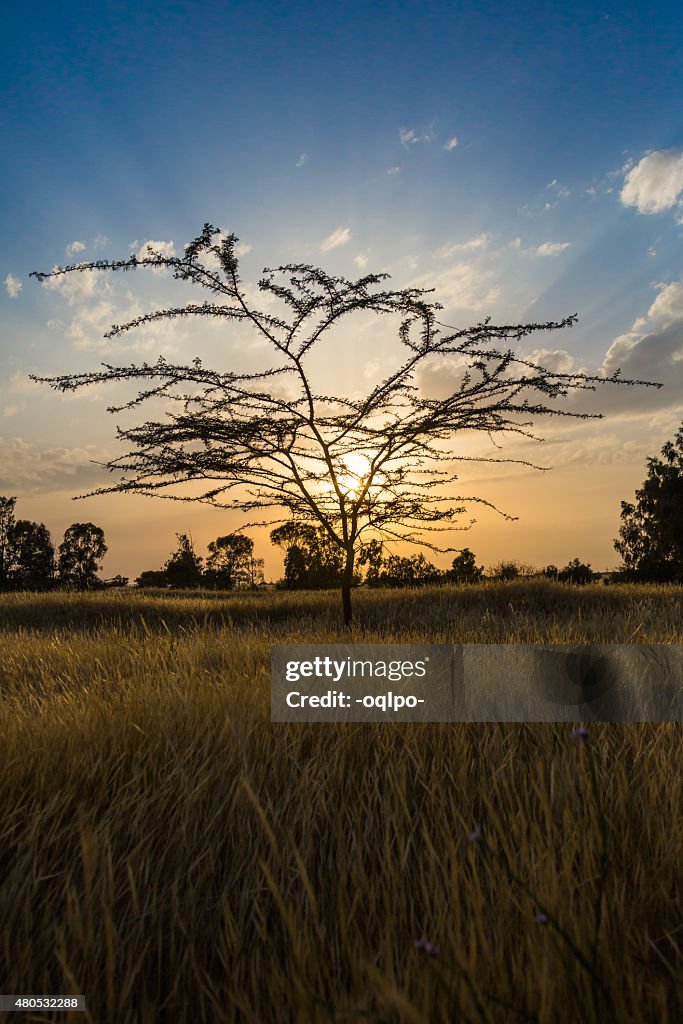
(526, 160)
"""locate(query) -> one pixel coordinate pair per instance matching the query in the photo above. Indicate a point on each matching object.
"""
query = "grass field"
(171, 854)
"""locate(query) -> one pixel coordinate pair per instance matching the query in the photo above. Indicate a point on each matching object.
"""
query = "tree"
(464, 568)
(184, 567)
(231, 562)
(6, 525)
(651, 531)
(32, 556)
(312, 560)
(152, 578)
(576, 572)
(551, 572)
(376, 465)
(79, 555)
(371, 554)
(415, 571)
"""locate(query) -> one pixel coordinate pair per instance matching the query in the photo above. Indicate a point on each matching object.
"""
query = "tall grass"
(171, 854)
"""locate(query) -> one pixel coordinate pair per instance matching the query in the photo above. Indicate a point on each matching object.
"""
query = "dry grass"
(170, 853)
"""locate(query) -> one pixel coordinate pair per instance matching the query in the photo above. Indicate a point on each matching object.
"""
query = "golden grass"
(170, 853)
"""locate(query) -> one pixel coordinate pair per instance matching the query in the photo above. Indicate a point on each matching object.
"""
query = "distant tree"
(415, 571)
(32, 555)
(152, 578)
(551, 572)
(116, 581)
(464, 568)
(511, 570)
(231, 563)
(373, 465)
(79, 555)
(651, 532)
(371, 558)
(6, 524)
(312, 559)
(505, 571)
(184, 567)
(575, 572)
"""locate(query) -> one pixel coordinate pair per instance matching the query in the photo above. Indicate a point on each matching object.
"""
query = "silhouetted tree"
(231, 563)
(576, 572)
(184, 567)
(257, 444)
(32, 556)
(312, 559)
(551, 572)
(464, 568)
(79, 555)
(6, 525)
(415, 571)
(371, 554)
(651, 532)
(152, 578)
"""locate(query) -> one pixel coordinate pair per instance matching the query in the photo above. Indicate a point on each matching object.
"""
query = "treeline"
(29, 559)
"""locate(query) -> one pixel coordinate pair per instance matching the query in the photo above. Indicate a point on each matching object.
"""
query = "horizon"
(526, 165)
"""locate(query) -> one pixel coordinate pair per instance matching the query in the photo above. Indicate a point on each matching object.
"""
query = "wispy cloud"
(13, 286)
(552, 248)
(451, 144)
(302, 159)
(73, 248)
(409, 137)
(394, 170)
(655, 183)
(339, 237)
(361, 260)
(478, 242)
(544, 249)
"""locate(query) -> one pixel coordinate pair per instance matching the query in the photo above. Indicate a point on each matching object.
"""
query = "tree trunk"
(347, 581)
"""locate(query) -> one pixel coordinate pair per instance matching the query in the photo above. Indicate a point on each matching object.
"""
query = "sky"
(524, 161)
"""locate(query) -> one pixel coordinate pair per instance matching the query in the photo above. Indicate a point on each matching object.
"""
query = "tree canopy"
(375, 465)
(651, 532)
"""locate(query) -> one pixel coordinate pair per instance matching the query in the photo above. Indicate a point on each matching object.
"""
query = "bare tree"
(379, 465)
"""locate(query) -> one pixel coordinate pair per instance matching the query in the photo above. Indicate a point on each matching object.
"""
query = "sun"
(353, 473)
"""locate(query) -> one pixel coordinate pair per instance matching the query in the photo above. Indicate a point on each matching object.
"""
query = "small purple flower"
(541, 919)
(473, 837)
(581, 734)
(427, 948)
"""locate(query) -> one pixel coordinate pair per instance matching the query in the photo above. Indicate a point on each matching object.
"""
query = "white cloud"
(478, 242)
(460, 286)
(77, 286)
(652, 350)
(302, 159)
(73, 248)
(393, 170)
(339, 237)
(452, 143)
(100, 241)
(655, 183)
(241, 249)
(552, 248)
(11, 410)
(558, 359)
(409, 137)
(42, 468)
(13, 286)
(164, 248)
(668, 306)
(361, 260)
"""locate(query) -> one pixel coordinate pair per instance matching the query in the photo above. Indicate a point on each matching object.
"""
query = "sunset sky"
(525, 160)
